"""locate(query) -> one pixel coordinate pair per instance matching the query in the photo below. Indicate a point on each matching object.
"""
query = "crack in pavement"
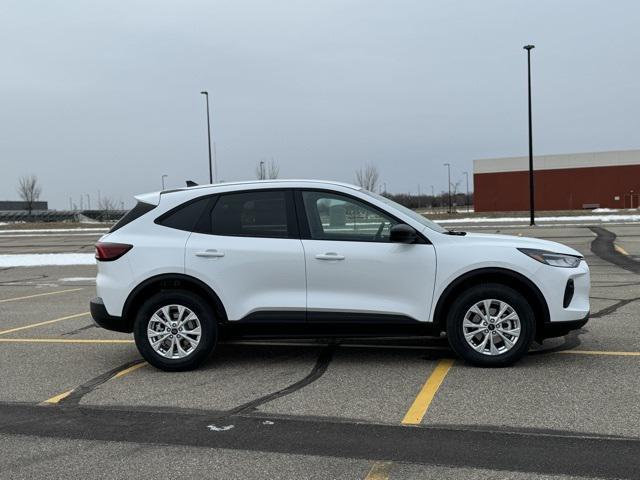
(603, 247)
(320, 367)
(74, 398)
(612, 308)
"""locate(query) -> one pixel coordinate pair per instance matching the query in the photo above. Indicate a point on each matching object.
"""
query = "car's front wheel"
(491, 325)
(175, 330)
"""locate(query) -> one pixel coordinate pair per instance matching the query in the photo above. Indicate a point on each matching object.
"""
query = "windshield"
(407, 211)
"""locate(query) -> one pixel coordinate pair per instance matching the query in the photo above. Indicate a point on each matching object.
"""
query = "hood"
(521, 242)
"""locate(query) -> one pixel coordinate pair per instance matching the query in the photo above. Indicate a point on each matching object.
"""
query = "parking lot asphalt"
(78, 401)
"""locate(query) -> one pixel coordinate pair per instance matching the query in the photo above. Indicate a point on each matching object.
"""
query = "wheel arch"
(513, 279)
(171, 281)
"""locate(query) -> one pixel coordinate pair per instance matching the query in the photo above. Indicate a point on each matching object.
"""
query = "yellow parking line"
(599, 352)
(416, 412)
(33, 325)
(40, 295)
(621, 250)
(126, 371)
(379, 471)
(63, 340)
(57, 398)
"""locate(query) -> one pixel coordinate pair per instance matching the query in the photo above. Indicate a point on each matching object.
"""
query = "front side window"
(337, 217)
(252, 214)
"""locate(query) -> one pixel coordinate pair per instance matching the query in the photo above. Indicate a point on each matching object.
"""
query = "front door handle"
(210, 253)
(330, 256)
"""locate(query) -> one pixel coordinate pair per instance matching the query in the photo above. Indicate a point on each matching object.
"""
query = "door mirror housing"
(403, 233)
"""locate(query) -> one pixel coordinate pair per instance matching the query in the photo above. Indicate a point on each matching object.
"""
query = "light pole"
(466, 174)
(528, 48)
(163, 177)
(206, 94)
(262, 175)
(449, 182)
(88, 201)
(418, 195)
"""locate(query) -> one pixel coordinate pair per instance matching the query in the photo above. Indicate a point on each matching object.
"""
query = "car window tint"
(337, 217)
(185, 216)
(251, 214)
(136, 212)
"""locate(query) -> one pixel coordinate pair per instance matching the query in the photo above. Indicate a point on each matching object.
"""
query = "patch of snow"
(576, 218)
(602, 210)
(78, 279)
(81, 234)
(42, 259)
(56, 230)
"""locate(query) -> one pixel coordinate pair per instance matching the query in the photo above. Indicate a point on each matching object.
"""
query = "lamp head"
(529, 47)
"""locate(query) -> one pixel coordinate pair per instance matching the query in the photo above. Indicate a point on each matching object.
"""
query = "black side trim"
(104, 320)
(276, 317)
(292, 324)
(559, 329)
(340, 318)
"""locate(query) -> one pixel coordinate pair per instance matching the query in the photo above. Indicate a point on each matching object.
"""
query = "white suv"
(288, 258)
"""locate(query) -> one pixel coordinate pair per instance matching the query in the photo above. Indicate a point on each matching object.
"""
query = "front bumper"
(559, 329)
(102, 318)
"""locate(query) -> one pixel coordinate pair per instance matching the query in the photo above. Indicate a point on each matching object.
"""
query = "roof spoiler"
(191, 183)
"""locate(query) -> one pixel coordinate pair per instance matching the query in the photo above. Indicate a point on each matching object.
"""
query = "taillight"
(107, 252)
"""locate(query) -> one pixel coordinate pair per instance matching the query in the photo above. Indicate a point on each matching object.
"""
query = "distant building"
(13, 205)
(562, 182)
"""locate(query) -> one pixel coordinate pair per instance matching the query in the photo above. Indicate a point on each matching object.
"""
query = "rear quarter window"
(185, 216)
(136, 212)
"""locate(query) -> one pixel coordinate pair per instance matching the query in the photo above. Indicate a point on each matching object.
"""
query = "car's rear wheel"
(175, 330)
(491, 325)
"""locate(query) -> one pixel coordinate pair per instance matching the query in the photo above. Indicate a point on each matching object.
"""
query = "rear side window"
(254, 214)
(136, 212)
(186, 215)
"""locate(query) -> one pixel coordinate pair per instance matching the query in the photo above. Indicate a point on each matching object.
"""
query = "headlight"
(551, 258)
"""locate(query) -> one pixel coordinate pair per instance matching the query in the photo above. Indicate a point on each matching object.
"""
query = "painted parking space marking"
(621, 250)
(379, 471)
(599, 352)
(121, 341)
(423, 400)
(59, 292)
(57, 398)
(39, 324)
(125, 371)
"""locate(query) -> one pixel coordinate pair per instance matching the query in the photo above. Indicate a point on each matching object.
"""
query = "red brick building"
(562, 182)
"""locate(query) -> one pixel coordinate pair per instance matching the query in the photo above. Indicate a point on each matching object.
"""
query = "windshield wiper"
(454, 232)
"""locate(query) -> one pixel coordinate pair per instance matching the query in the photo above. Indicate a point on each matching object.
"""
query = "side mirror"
(403, 233)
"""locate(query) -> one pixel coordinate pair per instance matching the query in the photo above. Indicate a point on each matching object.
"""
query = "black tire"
(208, 327)
(470, 297)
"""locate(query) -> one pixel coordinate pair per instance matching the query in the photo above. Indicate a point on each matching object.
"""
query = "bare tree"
(107, 204)
(367, 177)
(29, 190)
(269, 170)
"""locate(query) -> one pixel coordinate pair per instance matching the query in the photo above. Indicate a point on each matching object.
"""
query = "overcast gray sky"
(105, 95)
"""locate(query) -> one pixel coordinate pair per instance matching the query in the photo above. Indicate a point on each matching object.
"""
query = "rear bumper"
(102, 318)
(559, 329)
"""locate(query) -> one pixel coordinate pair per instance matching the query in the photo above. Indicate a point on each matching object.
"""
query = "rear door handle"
(330, 256)
(210, 253)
